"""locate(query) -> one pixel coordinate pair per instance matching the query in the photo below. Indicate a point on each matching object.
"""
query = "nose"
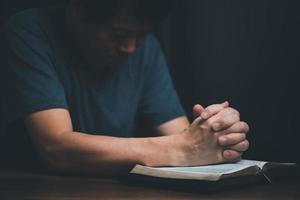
(129, 46)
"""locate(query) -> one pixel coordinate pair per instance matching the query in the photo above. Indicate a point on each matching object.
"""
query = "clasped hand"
(216, 136)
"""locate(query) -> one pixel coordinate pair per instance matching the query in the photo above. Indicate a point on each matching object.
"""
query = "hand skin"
(234, 138)
(69, 152)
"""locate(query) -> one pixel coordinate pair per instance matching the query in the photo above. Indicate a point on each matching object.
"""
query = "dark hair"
(145, 11)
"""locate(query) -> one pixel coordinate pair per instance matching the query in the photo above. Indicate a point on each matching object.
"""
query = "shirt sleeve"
(159, 102)
(28, 81)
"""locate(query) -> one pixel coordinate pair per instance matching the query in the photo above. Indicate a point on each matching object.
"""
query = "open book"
(209, 172)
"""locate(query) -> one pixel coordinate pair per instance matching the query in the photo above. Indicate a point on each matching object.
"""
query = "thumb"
(197, 110)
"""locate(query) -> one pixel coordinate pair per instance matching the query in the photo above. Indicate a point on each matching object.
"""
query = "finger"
(213, 109)
(225, 122)
(225, 119)
(197, 121)
(225, 104)
(231, 156)
(230, 110)
(231, 139)
(197, 110)
(239, 127)
(241, 147)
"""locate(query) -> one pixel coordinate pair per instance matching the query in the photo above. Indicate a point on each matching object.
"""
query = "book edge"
(249, 170)
(149, 171)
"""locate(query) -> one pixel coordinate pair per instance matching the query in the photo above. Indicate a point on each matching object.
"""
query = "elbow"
(55, 159)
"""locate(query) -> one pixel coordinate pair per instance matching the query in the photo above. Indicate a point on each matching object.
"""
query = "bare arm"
(66, 151)
(174, 126)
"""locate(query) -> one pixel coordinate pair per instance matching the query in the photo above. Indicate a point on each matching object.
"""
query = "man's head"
(108, 30)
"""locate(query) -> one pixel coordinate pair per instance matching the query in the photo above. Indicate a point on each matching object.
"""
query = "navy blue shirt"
(40, 70)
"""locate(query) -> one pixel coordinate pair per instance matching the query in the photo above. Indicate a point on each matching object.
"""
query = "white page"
(215, 169)
(209, 172)
(260, 164)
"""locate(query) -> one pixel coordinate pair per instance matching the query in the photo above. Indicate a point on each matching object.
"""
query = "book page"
(216, 169)
(263, 164)
(209, 172)
(260, 164)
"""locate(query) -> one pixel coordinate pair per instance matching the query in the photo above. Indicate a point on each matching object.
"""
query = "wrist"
(159, 151)
(179, 146)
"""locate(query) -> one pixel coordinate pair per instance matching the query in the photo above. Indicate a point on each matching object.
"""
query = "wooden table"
(30, 186)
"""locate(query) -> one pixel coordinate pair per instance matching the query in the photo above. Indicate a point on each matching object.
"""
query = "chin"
(105, 66)
(104, 71)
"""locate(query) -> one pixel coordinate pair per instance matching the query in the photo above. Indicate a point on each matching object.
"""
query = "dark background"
(246, 52)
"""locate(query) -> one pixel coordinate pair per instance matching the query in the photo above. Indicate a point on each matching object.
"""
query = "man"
(75, 78)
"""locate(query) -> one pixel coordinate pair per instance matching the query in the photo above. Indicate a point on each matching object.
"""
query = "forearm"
(174, 126)
(78, 152)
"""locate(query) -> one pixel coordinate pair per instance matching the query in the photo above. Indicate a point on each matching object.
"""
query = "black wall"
(246, 52)
(242, 51)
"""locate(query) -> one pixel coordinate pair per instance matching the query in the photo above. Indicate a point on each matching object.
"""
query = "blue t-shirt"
(40, 70)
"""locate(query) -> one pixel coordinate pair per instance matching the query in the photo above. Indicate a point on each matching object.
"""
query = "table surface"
(31, 186)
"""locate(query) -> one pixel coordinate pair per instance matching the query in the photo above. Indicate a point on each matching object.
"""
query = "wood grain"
(30, 186)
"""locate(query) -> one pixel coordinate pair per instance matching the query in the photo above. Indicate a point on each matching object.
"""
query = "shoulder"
(26, 42)
(150, 43)
(29, 33)
(25, 19)
(34, 21)
(151, 40)
(149, 49)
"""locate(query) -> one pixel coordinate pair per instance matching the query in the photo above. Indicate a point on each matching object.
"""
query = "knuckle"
(230, 137)
(232, 155)
(245, 145)
(237, 114)
(247, 127)
(209, 108)
(208, 111)
(210, 122)
(231, 110)
(236, 118)
(213, 108)
(221, 120)
(242, 137)
(214, 121)
(226, 110)
(234, 111)
(244, 127)
(235, 138)
(240, 126)
(231, 120)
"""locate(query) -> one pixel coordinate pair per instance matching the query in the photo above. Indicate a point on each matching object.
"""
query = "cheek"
(101, 46)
